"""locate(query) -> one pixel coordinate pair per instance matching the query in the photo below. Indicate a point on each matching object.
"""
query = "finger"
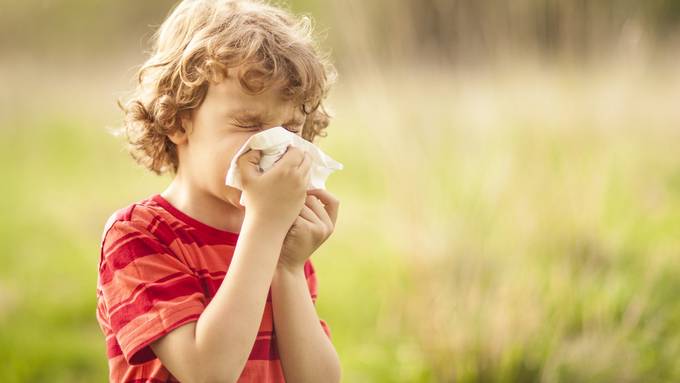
(301, 221)
(331, 204)
(306, 168)
(249, 163)
(320, 212)
(308, 214)
(306, 162)
(291, 158)
(250, 157)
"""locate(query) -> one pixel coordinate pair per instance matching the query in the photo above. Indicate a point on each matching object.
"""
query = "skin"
(280, 227)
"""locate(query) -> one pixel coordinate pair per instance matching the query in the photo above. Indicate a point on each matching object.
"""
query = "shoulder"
(141, 213)
(140, 218)
(139, 233)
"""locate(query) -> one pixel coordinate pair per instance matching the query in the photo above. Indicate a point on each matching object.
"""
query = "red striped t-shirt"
(158, 269)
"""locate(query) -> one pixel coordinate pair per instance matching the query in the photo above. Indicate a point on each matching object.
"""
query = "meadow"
(510, 224)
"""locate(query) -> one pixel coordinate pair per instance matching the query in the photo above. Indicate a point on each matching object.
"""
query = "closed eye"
(249, 126)
(295, 130)
(259, 127)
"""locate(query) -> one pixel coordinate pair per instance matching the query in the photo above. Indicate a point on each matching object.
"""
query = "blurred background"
(510, 200)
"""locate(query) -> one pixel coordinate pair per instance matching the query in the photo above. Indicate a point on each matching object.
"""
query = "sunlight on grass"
(509, 226)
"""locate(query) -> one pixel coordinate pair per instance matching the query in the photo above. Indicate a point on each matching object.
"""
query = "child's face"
(220, 126)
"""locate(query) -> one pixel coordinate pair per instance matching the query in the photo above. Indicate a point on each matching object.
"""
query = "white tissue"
(273, 144)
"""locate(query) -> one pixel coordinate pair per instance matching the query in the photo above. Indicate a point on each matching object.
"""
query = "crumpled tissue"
(273, 144)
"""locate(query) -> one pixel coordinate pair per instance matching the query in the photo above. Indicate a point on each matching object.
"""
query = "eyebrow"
(257, 117)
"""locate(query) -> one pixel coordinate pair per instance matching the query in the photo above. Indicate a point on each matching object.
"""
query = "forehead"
(231, 100)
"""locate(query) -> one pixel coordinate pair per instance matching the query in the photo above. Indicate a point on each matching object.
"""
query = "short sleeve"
(148, 291)
(312, 283)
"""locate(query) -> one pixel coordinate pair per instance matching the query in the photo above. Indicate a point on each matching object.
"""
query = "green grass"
(509, 227)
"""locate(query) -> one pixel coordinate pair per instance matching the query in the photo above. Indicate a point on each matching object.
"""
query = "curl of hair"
(202, 41)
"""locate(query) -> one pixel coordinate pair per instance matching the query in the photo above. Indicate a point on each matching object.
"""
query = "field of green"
(504, 225)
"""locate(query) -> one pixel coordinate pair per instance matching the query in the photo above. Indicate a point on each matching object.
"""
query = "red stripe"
(113, 348)
(264, 349)
(134, 249)
(144, 302)
(154, 222)
(164, 232)
(104, 269)
(210, 286)
(203, 229)
(142, 286)
(189, 235)
(108, 248)
(211, 273)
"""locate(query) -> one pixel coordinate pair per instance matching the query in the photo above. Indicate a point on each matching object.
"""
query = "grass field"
(507, 225)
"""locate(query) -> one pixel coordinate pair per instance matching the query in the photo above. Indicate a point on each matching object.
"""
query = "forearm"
(307, 354)
(226, 330)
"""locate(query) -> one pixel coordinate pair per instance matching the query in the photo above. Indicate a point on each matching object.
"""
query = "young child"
(192, 286)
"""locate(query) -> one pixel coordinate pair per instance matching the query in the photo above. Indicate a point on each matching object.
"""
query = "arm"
(216, 347)
(307, 354)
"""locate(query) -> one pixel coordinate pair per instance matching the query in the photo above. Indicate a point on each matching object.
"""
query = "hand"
(278, 194)
(311, 228)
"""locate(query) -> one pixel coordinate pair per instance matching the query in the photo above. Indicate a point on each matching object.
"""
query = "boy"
(192, 286)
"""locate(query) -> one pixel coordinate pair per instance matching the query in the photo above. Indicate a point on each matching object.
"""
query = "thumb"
(249, 164)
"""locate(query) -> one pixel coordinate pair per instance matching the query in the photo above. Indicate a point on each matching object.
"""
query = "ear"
(181, 135)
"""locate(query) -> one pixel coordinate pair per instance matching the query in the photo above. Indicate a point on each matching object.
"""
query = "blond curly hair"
(202, 41)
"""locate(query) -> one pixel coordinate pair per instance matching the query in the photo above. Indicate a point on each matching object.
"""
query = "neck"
(204, 206)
